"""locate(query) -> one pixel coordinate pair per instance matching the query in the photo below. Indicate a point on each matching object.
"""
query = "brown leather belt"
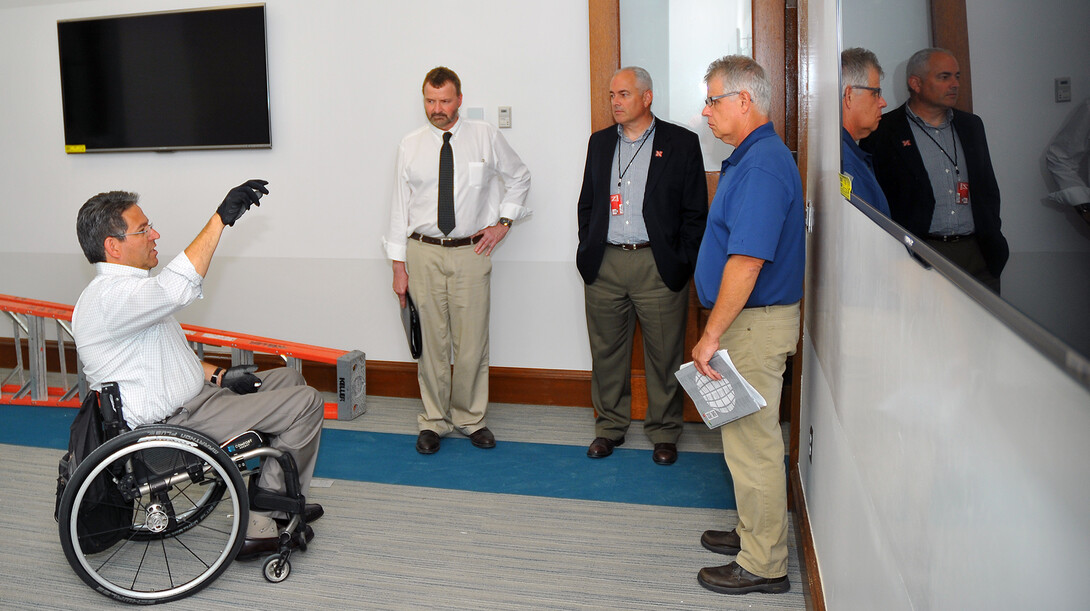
(632, 246)
(949, 239)
(447, 242)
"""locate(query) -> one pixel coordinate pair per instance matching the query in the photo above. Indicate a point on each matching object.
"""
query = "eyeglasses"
(877, 91)
(716, 98)
(121, 236)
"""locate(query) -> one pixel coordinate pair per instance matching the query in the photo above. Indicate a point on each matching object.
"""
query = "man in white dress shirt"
(125, 332)
(443, 227)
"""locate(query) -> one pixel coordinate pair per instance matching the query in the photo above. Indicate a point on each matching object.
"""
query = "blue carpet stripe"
(697, 480)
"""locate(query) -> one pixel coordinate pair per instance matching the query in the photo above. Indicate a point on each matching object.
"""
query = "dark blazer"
(899, 168)
(675, 202)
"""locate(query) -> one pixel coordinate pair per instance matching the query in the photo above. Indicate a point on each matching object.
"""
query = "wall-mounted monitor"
(195, 79)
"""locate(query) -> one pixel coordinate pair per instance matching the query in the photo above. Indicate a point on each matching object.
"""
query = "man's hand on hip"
(490, 238)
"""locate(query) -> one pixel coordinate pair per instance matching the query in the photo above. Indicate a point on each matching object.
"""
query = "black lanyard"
(620, 174)
(954, 137)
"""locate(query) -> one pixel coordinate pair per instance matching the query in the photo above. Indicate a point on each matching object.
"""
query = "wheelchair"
(157, 513)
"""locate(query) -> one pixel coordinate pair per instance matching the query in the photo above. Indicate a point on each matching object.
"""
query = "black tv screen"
(165, 81)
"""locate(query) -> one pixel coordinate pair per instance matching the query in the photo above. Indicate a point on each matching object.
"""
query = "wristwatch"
(506, 222)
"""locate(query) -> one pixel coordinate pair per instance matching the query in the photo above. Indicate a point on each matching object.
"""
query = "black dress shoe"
(602, 447)
(252, 548)
(665, 453)
(721, 542)
(427, 442)
(312, 513)
(483, 438)
(733, 579)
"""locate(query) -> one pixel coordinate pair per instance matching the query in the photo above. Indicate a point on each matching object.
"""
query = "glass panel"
(675, 40)
(1023, 55)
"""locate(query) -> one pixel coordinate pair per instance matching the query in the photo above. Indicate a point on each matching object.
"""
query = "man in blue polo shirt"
(749, 272)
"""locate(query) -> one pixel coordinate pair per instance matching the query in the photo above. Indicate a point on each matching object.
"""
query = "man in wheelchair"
(125, 332)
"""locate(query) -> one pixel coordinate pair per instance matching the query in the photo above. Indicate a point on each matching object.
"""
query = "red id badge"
(616, 207)
(963, 193)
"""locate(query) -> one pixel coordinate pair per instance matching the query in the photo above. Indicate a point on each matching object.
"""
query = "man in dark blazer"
(642, 211)
(933, 164)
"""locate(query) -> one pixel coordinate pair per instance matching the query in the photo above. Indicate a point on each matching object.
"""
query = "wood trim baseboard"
(804, 541)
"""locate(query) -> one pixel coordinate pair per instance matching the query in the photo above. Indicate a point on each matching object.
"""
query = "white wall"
(949, 458)
(1017, 50)
(893, 30)
(345, 82)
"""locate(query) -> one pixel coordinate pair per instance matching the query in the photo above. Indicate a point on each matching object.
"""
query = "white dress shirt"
(490, 182)
(1064, 158)
(125, 332)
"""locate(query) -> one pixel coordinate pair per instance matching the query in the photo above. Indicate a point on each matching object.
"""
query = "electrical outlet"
(810, 448)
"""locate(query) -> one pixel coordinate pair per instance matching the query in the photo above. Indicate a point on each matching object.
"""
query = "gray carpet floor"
(383, 546)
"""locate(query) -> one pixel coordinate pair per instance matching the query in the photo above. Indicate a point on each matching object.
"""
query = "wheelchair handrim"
(154, 442)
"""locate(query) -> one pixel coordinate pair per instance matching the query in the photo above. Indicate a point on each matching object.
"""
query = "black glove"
(241, 379)
(240, 199)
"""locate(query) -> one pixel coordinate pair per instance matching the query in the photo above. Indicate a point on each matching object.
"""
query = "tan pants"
(759, 342)
(452, 291)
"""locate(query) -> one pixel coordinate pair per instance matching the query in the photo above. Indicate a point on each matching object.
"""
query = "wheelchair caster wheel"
(275, 569)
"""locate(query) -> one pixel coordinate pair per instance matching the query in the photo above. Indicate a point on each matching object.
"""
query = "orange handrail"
(200, 335)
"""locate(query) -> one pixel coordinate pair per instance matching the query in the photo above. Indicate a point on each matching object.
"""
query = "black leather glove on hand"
(240, 199)
(241, 379)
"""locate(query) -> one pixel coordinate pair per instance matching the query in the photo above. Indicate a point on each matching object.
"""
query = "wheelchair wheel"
(181, 529)
(276, 569)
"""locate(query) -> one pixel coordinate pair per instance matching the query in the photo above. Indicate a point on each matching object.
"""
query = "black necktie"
(446, 186)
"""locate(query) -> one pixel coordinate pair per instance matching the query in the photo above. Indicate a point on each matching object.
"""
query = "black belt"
(949, 239)
(448, 242)
(631, 246)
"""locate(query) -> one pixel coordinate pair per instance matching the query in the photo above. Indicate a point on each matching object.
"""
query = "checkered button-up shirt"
(125, 332)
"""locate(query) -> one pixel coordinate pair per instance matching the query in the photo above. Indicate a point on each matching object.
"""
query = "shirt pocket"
(478, 173)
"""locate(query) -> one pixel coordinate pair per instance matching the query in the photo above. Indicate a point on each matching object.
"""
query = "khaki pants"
(285, 408)
(759, 342)
(452, 291)
(628, 287)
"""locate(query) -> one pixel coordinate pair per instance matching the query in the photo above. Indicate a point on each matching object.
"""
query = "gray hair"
(100, 218)
(917, 64)
(855, 63)
(643, 78)
(741, 73)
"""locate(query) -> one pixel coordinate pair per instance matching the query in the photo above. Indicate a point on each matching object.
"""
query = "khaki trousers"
(759, 342)
(285, 408)
(452, 291)
(628, 287)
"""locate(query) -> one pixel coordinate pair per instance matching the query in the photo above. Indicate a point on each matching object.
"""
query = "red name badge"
(616, 208)
(963, 193)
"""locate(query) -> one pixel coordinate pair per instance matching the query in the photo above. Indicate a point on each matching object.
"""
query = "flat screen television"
(195, 79)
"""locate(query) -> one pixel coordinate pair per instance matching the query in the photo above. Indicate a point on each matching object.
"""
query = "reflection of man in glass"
(860, 111)
(1065, 156)
(933, 164)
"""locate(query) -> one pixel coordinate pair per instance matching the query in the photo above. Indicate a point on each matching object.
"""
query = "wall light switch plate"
(505, 116)
(1063, 89)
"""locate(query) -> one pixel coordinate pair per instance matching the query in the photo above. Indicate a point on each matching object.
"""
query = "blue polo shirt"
(856, 162)
(757, 212)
